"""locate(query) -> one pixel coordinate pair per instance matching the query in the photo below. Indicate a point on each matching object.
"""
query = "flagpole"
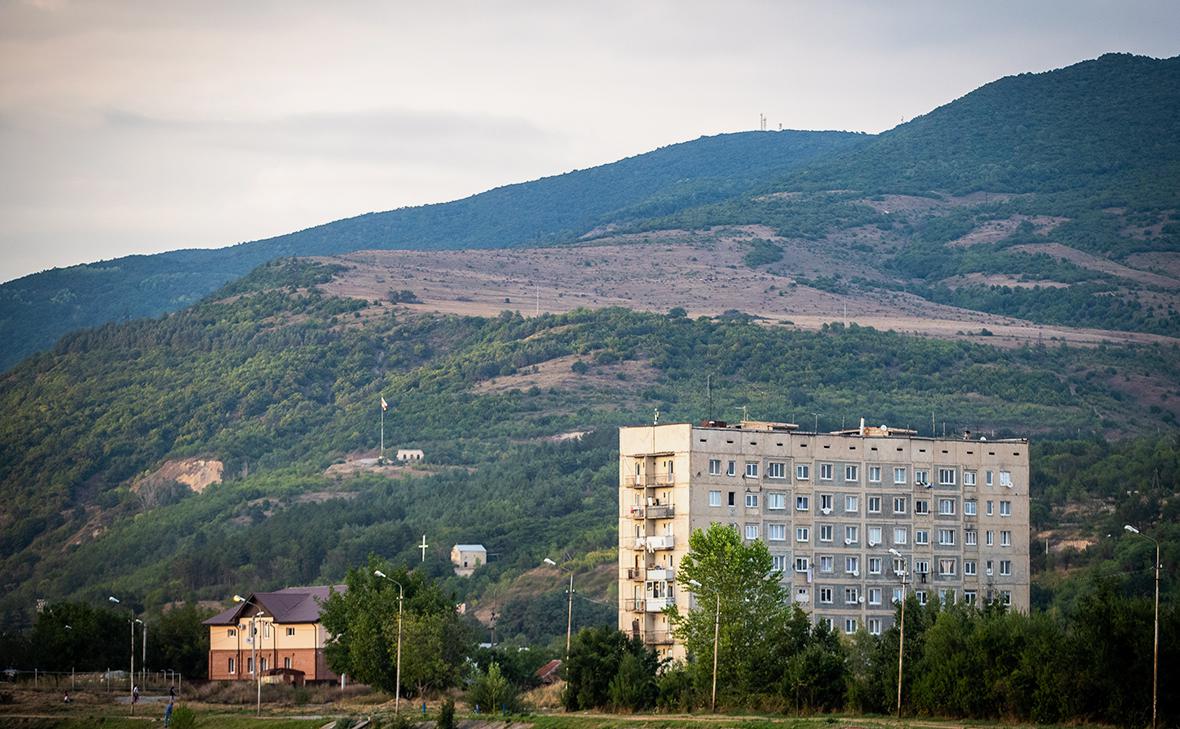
(382, 458)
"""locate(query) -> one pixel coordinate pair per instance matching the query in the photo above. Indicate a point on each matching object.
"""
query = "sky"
(140, 127)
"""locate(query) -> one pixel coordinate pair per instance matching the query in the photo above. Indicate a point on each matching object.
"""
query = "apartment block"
(832, 508)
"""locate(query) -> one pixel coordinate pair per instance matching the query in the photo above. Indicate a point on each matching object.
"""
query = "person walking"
(135, 694)
(168, 713)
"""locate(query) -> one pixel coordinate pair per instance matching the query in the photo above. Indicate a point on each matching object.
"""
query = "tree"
(492, 692)
(758, 629)
(596, 657)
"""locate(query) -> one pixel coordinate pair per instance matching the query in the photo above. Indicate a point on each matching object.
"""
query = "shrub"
(446, 715)
(183, 718)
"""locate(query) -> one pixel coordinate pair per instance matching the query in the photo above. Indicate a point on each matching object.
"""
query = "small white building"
(466, 557)
(406, 455)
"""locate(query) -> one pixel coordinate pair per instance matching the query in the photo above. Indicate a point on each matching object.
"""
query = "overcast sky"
(134, 127)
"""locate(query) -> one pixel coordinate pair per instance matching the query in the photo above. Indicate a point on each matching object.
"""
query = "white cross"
(423, 546)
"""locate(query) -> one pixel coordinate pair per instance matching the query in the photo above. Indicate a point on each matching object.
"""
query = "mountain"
(224, 447)
(37, 309)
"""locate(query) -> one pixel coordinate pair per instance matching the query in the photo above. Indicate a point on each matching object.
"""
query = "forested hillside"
(35, 310)
(281, 383)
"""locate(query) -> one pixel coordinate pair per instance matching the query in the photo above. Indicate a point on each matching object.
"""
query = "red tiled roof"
(289, 605)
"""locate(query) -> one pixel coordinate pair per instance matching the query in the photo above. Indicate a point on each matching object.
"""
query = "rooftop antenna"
(762, 121)
(656, 419)
(816, 421)
(709, 391)
(933, 431)
(745, 413)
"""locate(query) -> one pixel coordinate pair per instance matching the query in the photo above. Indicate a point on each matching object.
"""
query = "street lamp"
(901, 637)
(716, 636)
(569, 619)
(254, 648)
(1155, 657)
(397, 696)
(115, 600)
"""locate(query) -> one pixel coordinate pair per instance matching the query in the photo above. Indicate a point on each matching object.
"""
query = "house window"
(989, 567)
(851, 504)
(874, 536)
(851, 473)
(849, 625)
(851, 596)
(776, 532)
(1006, 478)
(230, 632)
(731, 498)
(232, 666)
(921, 536)
(874, 474)
(947, 476)
(1005, 538)
(802, 471)
(852, 565)
(778, 562)
(969, 507)
(948, 596)
(921, 595)
(898, 504)
(714, 466)
(249, 664)
(1006, 567)
(970, 537)
(969, 567)
(899, 475)
(874, 595)
(801, 503)
(825, 472)
(287, 662)
(968, 478)
(776, 501)
(898, 594)
(987, 478)
(989, 511)
(1005, 508)
(825, 595)
(851, 534)
(874, 626)
(262, 664)
(946, 537)
(874, 565)
(874, 504)
(827, 563)
(1006, 597)
(900, 535)
(969, 597)
(946, 507)
(751, 501)
(290, 632)
(921, 506)
(714, 498)
(989, 538)
(825, 503)
(802, 534)
(946, 567)
(825, 532)
(751, 531)
(731, 468)
(899, 566)
(921, 477)
(751, 469)
(802, 564)
(776, 469)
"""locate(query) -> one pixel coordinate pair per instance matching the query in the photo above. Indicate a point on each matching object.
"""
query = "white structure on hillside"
(466, 557)
(405, 455)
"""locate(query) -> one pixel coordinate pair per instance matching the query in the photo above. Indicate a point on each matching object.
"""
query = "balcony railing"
(661, 511)
(658, 637)
(635, 573)
(649, 480)
(656, 604)
(661, 574)
(634, 605)
(659, 541)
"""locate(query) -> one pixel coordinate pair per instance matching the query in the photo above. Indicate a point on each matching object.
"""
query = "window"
(232, 666)
(849, 625)
(989, 567)
(946, 567)
(262, 664)
(921, 595)
(969, 567)
(751, 531)
(265, 631)
(874, 474)
(731, 468)
(802, 534)
(968, 478)
(989, 510)
(852, 473)
(899, 566)
(948, 596)
(751, 469)
(778, 562)
(851, 596)
(230, 633)
(921, 567)
(1006, 597)
(921, 536)
(1006, 478)
(851, 534)
(714, 498)
(897, 594)
(852, 565)
(1005, 538)
(989, 538)
(249, 664)
(970, 537)
(969, 507)
(776, 469)
(802, 471)
(946, 507)
(874, 504)
(831, 623)
(900, 535)
(714, 466)
(899, 476)
(825, 594)
(825, 503)
(776, 501)
(874, 595)
(874, 536)
(851, 504)
(290, 632)
(287, 662)
(921, 477)
(801, 503)
(946, 537)
(874, 565)
(898, 504)
(751, 501)
(921, 506)
(825, 532)
(987, 477)
(947, 477)
(1006, 567)
(1005, 508)
(776, 532)
(825, 472)
(827, 563)
(874, 626)
(802, 564)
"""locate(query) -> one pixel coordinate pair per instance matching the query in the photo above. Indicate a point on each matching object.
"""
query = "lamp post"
(115, 600)
(254, 649)
(1155, 653)
(569, 618)
(901, 637)
(71, 629)
(143, 664)
(397, 689)
(716, 641)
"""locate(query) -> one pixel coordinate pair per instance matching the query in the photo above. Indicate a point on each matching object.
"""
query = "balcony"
(652, 512)
(656, 604)
(649, 480)
(634, 605)
(661, 574)
(658, 637)
(662, 541)
(635, 573)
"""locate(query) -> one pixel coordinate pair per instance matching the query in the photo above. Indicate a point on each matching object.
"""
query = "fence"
(111, 680)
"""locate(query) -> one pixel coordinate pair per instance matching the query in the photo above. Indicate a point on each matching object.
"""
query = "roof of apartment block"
(289, 605)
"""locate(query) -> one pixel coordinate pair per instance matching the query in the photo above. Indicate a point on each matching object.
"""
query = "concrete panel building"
(830, 507)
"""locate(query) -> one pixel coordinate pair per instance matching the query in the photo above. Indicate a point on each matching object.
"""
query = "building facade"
(467, 557)
(280, 630)
(831, 508)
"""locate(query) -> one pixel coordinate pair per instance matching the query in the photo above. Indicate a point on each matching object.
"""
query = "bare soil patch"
(994, 231)
(1097, 263)
(999, 279)
(1165, 263)
(558, 373)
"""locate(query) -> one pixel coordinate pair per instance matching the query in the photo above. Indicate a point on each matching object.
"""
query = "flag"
(384, 405)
